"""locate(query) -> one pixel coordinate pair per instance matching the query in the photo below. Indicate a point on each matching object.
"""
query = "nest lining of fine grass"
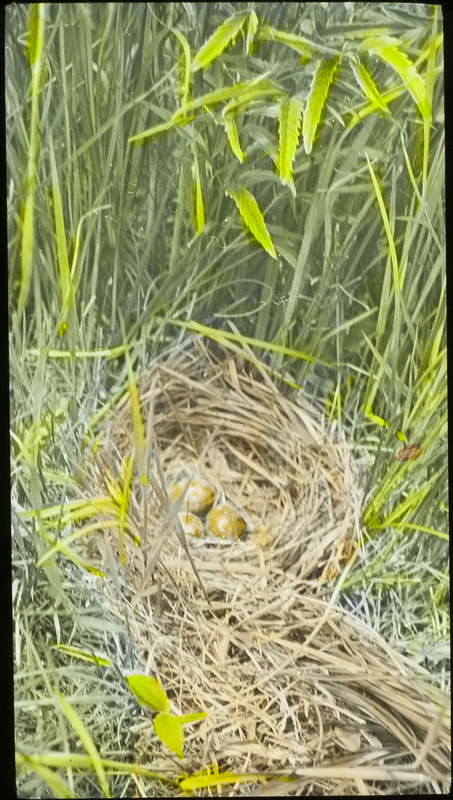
(289, 681)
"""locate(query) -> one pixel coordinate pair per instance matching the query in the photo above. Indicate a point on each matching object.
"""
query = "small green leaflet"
(233, 136)
(322, 81)
(387, 48)
(225, 35)
(290, 120)
(252, 218)
(170, 729)
(149, 692)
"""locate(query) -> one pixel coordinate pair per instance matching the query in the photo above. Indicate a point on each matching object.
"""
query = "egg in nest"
(225, 522)
(198, 497)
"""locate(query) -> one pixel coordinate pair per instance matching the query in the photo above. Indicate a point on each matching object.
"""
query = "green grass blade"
(58, 787)
(252, 217)
(87, 742)
(197, 202)
(68, 314)
(319, 90)
(398, 277)
(83, 655)
(34, 52)
(184, 68)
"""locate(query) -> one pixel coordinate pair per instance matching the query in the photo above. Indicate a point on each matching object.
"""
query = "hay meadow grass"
(270, 178)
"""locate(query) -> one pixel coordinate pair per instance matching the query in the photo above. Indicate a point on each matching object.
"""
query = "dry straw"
(291, 683)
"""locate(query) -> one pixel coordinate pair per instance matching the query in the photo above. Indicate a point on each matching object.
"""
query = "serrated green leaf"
(306, 49)
(252, 218)
(177, 120)
(387, 48)
(233, 136)
(149, 692)
(221, 39)
(367, 84)
(289, 125)
(319, 90)
(170, 731)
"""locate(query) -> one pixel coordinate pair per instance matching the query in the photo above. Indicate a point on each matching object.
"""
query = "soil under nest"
(290, 682)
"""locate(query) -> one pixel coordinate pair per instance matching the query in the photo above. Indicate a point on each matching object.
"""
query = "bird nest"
(245, 627)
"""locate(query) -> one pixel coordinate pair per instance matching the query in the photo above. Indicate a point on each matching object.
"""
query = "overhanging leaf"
(306, 49)
(252, 218)
(225, 35)
(322, 81)
(367, 84)
(233, 136)
(387, 48)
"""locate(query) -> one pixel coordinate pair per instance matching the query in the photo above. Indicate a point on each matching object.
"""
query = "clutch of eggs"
(199, 495)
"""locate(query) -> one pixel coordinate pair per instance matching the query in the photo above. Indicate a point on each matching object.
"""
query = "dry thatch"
(291, 683)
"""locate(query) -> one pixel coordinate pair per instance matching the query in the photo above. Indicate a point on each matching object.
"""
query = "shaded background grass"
(110, 71)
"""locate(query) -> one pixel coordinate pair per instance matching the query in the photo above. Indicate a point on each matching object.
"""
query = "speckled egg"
(199, 496)
(225, 522)
(191, 524)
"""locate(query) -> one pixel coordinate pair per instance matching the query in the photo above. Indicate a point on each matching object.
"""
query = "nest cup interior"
(281, 673)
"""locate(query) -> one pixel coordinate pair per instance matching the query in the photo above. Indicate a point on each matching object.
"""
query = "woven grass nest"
(291, 683)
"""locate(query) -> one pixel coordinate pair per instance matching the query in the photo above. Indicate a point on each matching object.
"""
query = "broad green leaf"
(306, 49)
(75, 652)
(367, 84)
(225, 35)
(233, 136)
(252, 218)
(149, 692)
(289, 120)
(87, 742)
(319, 90)
(170, 731)
(387, 48)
